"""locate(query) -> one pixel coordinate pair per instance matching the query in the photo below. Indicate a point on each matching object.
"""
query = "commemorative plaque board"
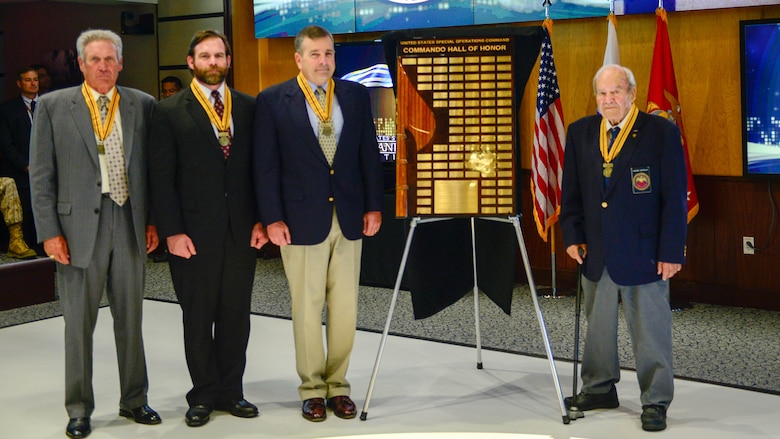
(456, 125)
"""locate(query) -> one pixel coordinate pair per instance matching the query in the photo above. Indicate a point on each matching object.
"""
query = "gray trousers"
(649, 321)
(117, 266)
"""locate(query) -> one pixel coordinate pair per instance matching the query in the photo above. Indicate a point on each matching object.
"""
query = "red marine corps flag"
(547, 167)
(662, 97)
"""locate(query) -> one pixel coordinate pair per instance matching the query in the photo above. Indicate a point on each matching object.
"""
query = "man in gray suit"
(88, 184)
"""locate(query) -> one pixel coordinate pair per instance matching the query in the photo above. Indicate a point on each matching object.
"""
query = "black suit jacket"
(194, 190)
(295, 183)
(15, 141)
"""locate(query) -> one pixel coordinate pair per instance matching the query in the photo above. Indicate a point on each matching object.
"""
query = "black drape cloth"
(439, 270)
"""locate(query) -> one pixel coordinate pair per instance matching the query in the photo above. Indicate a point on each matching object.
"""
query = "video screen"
(382, 15)
(760, 57)
(284, 18)
(364, 62)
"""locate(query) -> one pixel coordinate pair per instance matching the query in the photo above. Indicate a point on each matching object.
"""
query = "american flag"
(547, 167)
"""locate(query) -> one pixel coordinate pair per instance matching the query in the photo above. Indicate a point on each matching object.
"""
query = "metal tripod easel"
(515, 221)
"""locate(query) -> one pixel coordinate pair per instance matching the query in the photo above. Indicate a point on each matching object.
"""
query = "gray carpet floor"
(737, 347)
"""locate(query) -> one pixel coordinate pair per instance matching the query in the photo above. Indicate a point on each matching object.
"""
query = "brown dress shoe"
(342, 406)
(314, 409)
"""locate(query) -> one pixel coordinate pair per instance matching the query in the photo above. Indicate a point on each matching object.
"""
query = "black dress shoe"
(198, 415)
(78, 427)
(342, 406)
(314, 409)
(653, 418)
(142, 415)
(239, 407)
(589, 401)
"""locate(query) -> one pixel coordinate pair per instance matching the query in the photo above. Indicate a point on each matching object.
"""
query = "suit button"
(332, 172)
(97, 211)
(330, 199)
(604, 204)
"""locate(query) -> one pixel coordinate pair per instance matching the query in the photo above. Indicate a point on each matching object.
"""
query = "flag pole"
(553, 291)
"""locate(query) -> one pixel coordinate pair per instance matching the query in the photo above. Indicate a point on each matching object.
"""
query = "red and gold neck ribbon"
(323, 114)
(223, 123)
(621, 137)
(102, 128)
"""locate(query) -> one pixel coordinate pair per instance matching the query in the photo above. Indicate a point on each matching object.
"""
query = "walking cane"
(574, 412)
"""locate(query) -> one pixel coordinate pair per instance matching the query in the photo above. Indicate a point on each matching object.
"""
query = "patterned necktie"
(613, 133)
(115, 159)
(219, 107)
(327, 137)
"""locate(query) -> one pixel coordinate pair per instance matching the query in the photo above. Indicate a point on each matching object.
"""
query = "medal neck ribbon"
(620, 140)
(223, 123)
(323, 114)
(102, 128)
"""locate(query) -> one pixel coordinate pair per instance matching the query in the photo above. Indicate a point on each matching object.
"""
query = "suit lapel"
(82, 120)
(239, 127)
(128, 112)
(197, 112)
(296, 105)
(21, 110)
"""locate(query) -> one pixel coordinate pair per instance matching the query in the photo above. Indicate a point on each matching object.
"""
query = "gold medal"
(221, 123)
(608, 154)
(224, 138)
(101, 148)
(327, 127)
(323, 114)
(607, 172)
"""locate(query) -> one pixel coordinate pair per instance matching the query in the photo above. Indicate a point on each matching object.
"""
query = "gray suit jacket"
(65, 178)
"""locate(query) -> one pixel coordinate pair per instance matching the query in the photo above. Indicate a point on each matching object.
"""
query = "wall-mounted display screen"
(760, 61)
(364, 62)
(282, 18)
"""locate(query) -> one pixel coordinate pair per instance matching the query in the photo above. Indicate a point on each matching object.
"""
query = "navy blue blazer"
(293, 180)
(15, 127)
(640, 217)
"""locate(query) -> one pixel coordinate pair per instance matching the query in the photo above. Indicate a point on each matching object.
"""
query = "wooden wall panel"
(705, 47)
(245, 48)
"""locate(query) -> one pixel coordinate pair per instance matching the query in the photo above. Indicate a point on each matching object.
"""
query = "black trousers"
(214, 289)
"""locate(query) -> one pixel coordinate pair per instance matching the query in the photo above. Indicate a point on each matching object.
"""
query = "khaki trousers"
(323, 275)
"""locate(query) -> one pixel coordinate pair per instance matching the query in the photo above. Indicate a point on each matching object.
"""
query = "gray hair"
(629, 75)
(91, 35)
(312, 32)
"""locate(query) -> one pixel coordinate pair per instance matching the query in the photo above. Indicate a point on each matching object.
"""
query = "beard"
(210, 76)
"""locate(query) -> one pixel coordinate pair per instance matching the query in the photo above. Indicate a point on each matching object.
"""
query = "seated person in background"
(11, 207)
(169, 86)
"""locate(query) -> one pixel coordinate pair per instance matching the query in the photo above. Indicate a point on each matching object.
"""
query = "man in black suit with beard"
(204, 206)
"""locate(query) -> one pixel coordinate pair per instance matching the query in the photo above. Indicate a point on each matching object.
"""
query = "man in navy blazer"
(623, 217)
(317, 205)
(15, 127)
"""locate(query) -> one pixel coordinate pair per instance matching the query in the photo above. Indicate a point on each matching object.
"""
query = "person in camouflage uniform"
(11, 207)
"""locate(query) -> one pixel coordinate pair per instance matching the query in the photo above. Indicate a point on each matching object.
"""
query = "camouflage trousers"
(10, 205)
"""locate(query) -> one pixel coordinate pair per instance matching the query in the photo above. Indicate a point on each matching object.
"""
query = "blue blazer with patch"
(640, 217)
(293, 180)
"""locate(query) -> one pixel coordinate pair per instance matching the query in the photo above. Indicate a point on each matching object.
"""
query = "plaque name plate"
(456, 122)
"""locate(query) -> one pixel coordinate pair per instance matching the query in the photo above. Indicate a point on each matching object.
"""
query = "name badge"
(640, 180)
